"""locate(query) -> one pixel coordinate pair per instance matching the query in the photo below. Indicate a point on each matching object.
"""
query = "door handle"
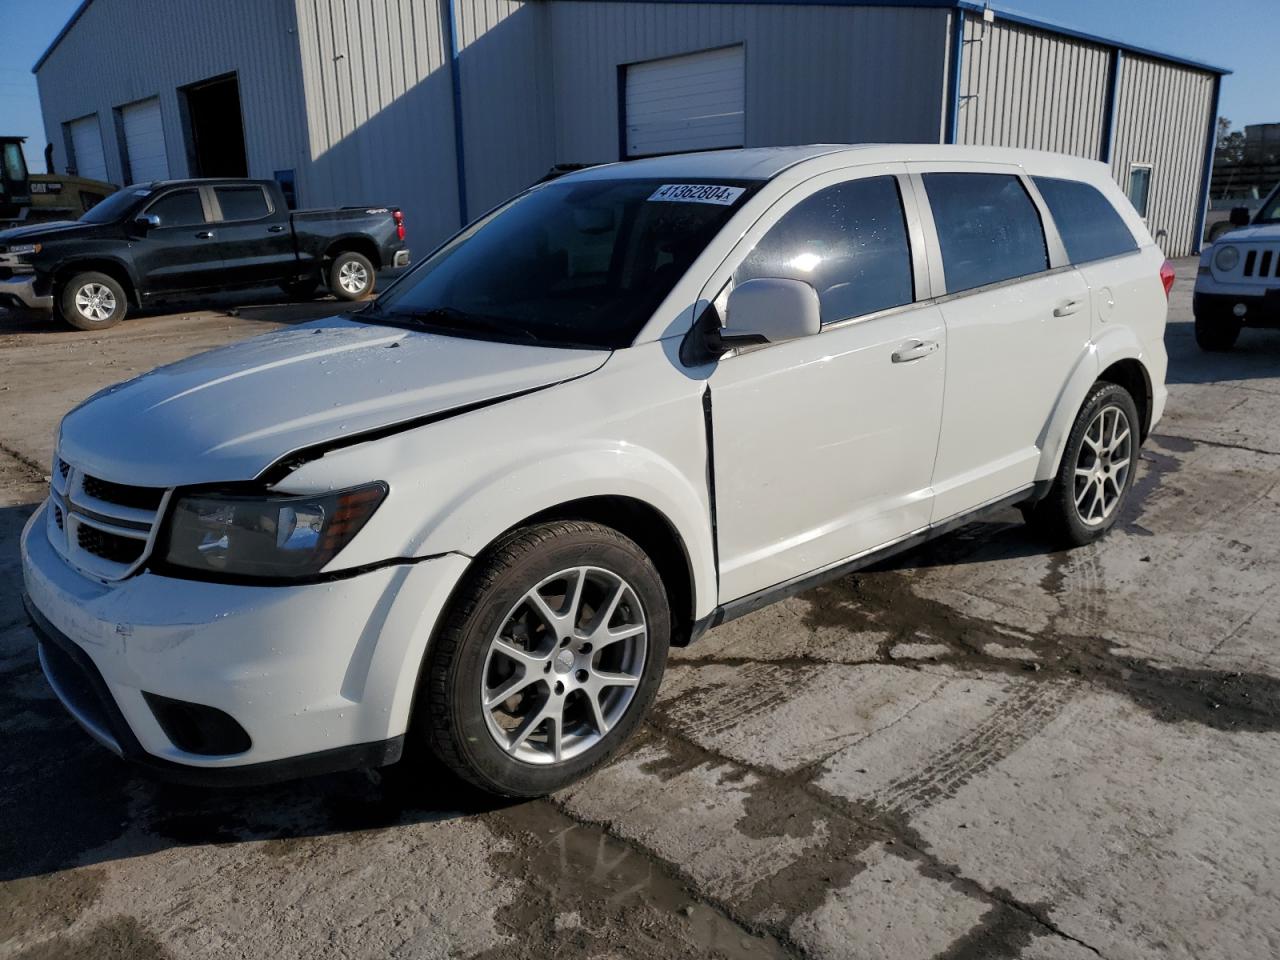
(914, 350)
(1067, 308)
(204, 235)
(278, 228)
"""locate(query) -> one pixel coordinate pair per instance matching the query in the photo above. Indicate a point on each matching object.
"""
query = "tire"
(350, 276)
(1217, 334)
(508, 747)
(1072, 515)
(92, 301)
(301, 289)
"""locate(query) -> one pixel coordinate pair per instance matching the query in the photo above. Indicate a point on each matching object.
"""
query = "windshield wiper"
(451, 318)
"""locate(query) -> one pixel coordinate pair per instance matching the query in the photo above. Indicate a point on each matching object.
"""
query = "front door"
(180, 254)
(824, 446)
(1018, 320)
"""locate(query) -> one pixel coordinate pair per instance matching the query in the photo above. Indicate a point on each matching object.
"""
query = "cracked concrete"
(977, 750)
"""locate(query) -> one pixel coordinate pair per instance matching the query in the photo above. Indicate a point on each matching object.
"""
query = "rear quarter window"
(988, 228)
(1090, 227)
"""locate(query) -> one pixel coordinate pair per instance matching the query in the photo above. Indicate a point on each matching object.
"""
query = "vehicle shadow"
(1256, 357)
(65, 801)
(267, 304)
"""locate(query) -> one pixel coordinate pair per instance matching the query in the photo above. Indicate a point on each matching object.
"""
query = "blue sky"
(1238, 34)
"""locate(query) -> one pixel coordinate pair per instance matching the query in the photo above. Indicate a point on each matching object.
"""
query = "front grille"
(140, 498)
(101, 526)
(109, 546)
(1260, 264)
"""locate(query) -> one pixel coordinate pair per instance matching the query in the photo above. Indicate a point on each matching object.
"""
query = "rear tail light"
(1167, 276)
(398, 217)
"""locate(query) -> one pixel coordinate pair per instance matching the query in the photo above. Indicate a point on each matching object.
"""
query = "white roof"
(764, 163)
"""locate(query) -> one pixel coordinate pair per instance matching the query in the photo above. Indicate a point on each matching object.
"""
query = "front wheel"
(351, 276)
(1214, 335)
(93, 301)
(548, 660)
(1097, 470)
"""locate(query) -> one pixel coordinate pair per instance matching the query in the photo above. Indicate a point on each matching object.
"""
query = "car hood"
(44, 231)
(1269, 232)
(231, 413)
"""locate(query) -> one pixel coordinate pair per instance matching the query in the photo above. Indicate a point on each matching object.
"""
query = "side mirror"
(1240, 216)
(771, 310)
(147, 221)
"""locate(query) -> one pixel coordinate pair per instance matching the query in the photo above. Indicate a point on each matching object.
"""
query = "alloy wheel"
(1103, 464)
(353, 277)
(564, 666)
(96, 302)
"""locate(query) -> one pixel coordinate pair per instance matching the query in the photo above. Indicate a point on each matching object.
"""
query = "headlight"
(1226, 259)
(267, 536)
(25, 249)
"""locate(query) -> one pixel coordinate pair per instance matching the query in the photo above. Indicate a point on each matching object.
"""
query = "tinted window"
(988, 228)
(849, 241)
(180, 209)
(1090, 227)
(115, 206)
(582, 263)
(15, 165)
(242, 203)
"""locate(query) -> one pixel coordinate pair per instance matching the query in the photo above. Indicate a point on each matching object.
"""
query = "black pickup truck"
(182, 237)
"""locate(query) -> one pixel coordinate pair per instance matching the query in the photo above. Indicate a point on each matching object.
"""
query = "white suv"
(626, 406)
(1238, 281)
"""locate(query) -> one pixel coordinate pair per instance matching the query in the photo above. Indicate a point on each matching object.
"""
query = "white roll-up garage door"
(144, 141)
(690, 102)
(86, 145)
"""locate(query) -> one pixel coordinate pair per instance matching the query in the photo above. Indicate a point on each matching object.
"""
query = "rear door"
(180, 254)
(1018, 321)
(824, 446)
(254, 238)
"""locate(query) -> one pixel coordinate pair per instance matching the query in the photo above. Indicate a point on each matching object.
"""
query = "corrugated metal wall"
(379, 108)
(1162, 119)
(508, 117)
(1027, 88)
(814, 73)
(122, 51)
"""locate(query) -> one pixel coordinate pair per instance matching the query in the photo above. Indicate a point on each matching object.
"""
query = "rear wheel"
(1217, 334)
(1097, 470)
(351, 276)
(548, 660)
(93, 301)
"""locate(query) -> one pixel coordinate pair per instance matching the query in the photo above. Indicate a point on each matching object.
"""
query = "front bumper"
(21, 291)
(1261, 308)
(319, 676)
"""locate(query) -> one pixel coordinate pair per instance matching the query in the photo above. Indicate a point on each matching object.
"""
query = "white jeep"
(1238, 281)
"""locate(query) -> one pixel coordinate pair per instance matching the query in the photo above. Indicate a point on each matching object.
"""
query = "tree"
(1230, 143)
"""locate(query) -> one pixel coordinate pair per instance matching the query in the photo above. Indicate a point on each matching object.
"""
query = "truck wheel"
(1096, 473)
(547, 661)
(93, 301)
(1216, 334)
(351, 276)
(300, 289)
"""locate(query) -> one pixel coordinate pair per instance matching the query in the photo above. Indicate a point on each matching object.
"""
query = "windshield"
(115, 206)
(1270, 212)
(572, 264)
(13, 165)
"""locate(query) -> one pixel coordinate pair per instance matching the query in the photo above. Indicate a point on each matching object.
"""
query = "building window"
(1140, 187)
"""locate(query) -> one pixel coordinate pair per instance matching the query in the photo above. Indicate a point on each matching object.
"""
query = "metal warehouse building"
(446, 107)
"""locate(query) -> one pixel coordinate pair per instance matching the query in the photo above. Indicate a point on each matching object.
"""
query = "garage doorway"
(141, 132)
(214, 129)
(691, 102)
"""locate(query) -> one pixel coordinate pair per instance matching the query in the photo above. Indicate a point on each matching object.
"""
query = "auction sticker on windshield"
(697, 193)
